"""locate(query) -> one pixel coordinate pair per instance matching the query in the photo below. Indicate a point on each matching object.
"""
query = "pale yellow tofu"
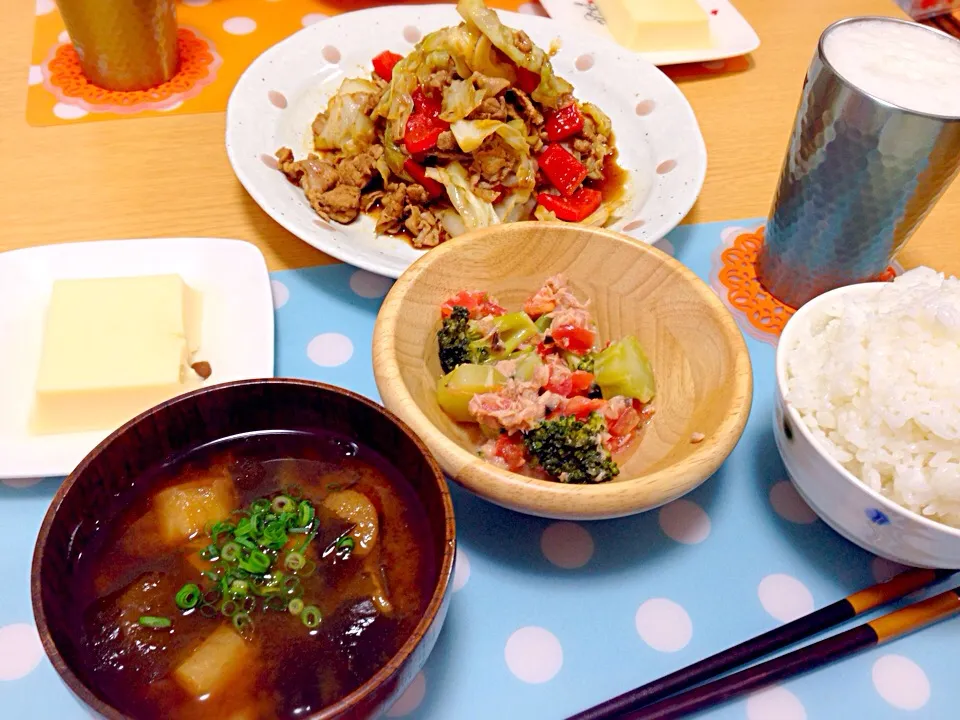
(184, 511)
(657, 25)
(355, 507)
(112, 348)
(222, 657)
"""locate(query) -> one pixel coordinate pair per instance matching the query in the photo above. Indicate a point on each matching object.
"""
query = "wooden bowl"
(102, 482)
(700, 360)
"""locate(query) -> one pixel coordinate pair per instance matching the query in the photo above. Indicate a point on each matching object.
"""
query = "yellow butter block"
(657, 25)
(113, 348)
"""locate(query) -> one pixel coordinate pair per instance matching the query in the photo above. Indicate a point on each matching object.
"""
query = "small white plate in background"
(731, 34)
(237, 333)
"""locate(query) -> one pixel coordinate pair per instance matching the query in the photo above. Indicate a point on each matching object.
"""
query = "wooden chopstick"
(875, 632)
(800, 629)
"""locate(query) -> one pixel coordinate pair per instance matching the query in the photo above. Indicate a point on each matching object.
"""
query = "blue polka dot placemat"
(550, 617)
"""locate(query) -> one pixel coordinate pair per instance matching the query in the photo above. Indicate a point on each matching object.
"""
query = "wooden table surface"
(169, 176)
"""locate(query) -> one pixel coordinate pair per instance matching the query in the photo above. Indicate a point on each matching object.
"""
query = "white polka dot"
(367, 285)
(567, 545)
(901, 682)
(729, 233)
(68, 112)
(64, 36)
(45, 7)
(21, 482)
(36, 75)
(330, 349)
(789, 505)
(240, 25)
(411, 698)
(775, 703)
(280, 293)
(664, 625)
(196, 3)
(533, 654)
(312, 18)
(884, 569)
(531, 8)
(685, 522)
(20, 650)
(784, 597)
(461, 570)
(665, 245)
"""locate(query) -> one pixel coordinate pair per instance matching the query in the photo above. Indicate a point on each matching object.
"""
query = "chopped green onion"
(229, 608)
(249, 603)
(281, 503)
(308, 569)
(230, 552)
(260, 506)
(275, 603)
(345, 542)
(244, 624)
(152, 621)
(256, 562)
(295, 606)
(295, 561)
(210, 575)
(188, 596)
(310, 616)
(212, 597)
(209, 611)
(239, 587)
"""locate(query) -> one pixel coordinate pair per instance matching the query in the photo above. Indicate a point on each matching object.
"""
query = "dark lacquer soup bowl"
(260, 549)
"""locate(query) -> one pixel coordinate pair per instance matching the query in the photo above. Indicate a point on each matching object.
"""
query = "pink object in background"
(923, 9)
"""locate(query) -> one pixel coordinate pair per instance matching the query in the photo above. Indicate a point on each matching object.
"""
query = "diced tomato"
(510, 448)
(419, 173)
(562, 169)
(535, 307)
(424, 124)
(560, 381)
(625, 424)
(478, 304)
(545, 348)
(564, 122)
(616, 443)
(575, 208)
(384, 63)
(575, 339)
(527, 80)
(581, 382)
(581, 407)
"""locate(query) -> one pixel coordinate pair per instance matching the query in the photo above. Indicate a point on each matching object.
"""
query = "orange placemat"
(218, 40)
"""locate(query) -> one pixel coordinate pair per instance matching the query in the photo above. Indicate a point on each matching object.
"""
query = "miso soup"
(266, 576)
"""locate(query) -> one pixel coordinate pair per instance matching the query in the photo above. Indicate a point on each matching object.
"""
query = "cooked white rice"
(877, 381)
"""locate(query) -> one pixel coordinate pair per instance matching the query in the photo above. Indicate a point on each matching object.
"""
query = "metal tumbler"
(859, 176)
(123, 45)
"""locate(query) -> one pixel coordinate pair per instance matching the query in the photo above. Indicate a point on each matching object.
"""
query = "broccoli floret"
(586, 363)
(570, 450)
(458, 342)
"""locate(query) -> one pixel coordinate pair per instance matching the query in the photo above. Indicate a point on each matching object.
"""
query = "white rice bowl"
(876, 380)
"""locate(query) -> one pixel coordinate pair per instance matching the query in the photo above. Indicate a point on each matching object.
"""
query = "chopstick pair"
(681, 692)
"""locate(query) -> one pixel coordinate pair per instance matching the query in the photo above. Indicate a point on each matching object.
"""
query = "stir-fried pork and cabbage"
(470, 129)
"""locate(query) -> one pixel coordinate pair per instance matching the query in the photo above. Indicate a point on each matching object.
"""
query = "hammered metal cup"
(123, 45)
(859, 176)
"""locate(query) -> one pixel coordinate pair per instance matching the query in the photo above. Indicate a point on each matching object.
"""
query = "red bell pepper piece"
(575, 339)
(565, 122)
(419, 174)
(581, 381)
(581, 407)
(575, 208)
(424, 124)
(384, 62)
(478, 304)
(562, 169)
(510, 448)
(527, 80)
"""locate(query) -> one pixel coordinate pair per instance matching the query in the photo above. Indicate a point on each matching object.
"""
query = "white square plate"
(237, 334)
(730, 33)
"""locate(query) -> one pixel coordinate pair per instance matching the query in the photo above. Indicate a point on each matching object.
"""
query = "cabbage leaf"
(474, 212)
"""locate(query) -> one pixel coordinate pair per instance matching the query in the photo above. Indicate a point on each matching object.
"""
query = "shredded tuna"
(516, 406)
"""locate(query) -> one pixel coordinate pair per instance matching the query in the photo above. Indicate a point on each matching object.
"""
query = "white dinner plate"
(730, 33)
(236, 337)
(278, 96)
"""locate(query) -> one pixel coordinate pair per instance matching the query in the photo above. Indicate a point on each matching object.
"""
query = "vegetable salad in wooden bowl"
(620, 383)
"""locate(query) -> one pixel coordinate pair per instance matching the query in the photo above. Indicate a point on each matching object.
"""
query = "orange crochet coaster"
(734, 278)
(219, 39)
